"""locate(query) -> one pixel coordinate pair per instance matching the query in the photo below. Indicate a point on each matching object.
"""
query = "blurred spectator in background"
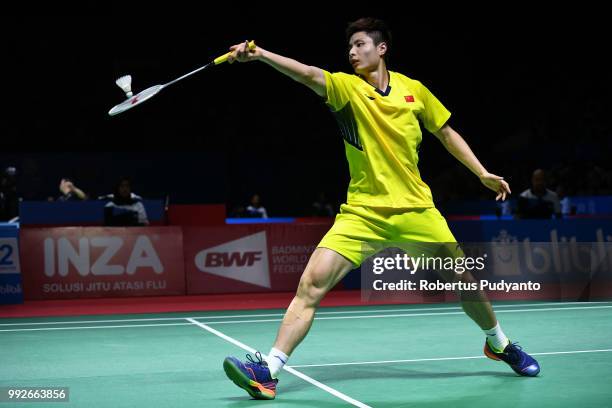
(124, 208)
(567, 208)
(32, 184)
(538, 201)
(322, 207)
(9, 202)
(255, 209)
(70, 192)
(504, 208)
(238, 211)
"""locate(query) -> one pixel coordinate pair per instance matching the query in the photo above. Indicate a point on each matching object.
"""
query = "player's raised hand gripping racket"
(125, 83)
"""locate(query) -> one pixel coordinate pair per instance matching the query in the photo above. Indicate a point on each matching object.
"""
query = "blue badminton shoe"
(252, 376)
(513, 355)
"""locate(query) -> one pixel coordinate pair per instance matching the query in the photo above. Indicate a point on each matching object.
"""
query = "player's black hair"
(376, 29)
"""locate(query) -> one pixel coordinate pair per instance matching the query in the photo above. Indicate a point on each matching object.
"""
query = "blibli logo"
(10, 290)
(61, 254)
(562, 255)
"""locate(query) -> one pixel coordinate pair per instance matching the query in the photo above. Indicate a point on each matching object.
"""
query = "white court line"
(316, 318)
(289, 369)
(416, 360)
(412, 315)
(415, 309)
(94, 327)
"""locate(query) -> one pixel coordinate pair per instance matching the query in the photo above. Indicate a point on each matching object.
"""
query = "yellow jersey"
(382, 134)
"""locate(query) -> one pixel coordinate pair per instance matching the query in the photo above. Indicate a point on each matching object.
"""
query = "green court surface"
(377, 356)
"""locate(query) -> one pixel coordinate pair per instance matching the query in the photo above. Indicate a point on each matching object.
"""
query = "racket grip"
(223, 58)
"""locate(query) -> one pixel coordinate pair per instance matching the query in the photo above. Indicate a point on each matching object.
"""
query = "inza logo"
(245, 260)
(143, 255)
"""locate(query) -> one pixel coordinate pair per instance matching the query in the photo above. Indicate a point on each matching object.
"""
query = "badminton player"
(380, 113)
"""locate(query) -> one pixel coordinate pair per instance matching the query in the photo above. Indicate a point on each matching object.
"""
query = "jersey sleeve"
(434, 114)
(337, 87)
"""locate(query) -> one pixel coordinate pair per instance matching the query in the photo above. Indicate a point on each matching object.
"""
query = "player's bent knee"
(311, 292)
(315, 283)
(321, 274)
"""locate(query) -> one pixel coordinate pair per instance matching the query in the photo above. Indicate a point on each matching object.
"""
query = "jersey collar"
(380, 92)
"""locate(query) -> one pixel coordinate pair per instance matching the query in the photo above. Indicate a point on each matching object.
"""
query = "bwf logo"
(244, 260)
(59, 257)
(248, 258)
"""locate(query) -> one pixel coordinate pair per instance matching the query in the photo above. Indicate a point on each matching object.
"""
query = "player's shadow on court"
(238, 402)
(335, 375)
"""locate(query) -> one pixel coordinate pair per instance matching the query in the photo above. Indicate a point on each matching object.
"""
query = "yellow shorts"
(357, 226)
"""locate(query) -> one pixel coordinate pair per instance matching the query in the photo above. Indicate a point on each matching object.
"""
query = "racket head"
(136, 100)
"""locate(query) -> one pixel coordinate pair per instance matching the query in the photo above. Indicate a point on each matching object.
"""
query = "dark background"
(524, 93)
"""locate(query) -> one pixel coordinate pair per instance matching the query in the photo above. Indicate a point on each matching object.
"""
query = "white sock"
(496, 338)
(276, 360)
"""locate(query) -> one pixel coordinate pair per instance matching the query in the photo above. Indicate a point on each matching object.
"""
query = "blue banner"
(10, 269)
(581, 230)
(76, 212)
(549, 240)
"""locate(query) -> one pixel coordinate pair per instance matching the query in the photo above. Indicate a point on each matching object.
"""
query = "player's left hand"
(497, 184)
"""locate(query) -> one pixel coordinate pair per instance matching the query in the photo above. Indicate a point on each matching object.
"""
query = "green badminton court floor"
(375, 356)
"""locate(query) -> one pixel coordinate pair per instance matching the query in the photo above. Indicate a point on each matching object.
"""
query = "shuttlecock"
(125, 83)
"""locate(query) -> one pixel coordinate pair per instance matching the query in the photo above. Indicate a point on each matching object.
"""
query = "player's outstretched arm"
(457, 146)
(308, 75)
